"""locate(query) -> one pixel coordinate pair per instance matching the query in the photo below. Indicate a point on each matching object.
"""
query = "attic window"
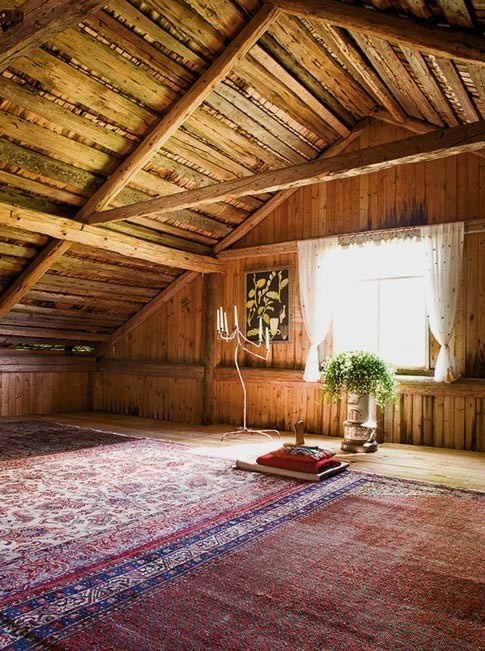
(55, 348)
(385, 294)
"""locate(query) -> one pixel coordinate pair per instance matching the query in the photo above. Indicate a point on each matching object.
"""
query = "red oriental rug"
(144, 546)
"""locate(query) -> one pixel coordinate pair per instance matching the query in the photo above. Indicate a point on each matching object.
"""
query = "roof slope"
(139, 138)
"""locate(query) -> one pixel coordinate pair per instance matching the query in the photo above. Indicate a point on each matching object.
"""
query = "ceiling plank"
(68, 229)
(400, 82)
(299, 90)
(430, 87)
(450, 42)
(43, 19)
(454, 82)
(431, 146)
(236, 50)
(357, 64)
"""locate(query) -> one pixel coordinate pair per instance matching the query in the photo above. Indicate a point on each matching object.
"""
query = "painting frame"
(267, 304)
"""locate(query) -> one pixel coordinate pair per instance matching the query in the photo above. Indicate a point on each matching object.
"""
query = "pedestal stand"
(360, 426)
(242, 343)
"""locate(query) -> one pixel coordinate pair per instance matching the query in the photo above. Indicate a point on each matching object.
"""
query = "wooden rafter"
(439, 144)
(283, 195)
(61, 228)
(152, 143)
(182, 110)
(452, 42)
(413, 125)
(31, 275)
(43, 19)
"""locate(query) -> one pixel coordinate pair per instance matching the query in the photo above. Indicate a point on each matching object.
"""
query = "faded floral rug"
(141, 545)
(34, 438)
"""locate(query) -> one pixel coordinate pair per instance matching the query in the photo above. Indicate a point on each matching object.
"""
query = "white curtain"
(444, 254)
(318, 276)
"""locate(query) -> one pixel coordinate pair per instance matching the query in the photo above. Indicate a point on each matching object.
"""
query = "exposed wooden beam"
(149, 368)
(431, 146)
(43, 19)
(31, 275)
(68, 229)
(450, 42)
(259, 215)
(291, 246)
(51, 334)
(182, 110)
(413, 125)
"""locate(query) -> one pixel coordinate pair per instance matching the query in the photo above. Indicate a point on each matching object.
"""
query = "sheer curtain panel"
(444, 254)
(318, 274)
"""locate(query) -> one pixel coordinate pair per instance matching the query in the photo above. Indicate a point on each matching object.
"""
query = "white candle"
(260, 329)
(218, 320)
(267, 339)
(236, 324)
(226, 329)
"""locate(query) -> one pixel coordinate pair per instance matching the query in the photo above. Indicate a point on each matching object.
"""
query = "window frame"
(426, 369)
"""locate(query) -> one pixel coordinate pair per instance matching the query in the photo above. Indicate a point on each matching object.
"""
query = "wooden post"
(211, 290)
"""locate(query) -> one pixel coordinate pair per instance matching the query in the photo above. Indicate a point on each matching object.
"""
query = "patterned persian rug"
(143, 545)
(33, 438)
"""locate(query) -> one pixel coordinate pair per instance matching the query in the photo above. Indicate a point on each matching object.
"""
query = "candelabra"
(243, 343)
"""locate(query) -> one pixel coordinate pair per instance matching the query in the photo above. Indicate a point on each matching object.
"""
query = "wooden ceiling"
(140, 138)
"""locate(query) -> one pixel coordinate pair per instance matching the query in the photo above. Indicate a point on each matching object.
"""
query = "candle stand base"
(245, 431)
(243, 343)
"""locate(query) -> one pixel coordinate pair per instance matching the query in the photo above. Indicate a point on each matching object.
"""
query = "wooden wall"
(171, 367)
(41, 383)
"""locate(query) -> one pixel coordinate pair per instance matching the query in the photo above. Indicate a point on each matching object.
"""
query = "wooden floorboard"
(435, 465)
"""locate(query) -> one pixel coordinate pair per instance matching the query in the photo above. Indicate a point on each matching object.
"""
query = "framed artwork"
(267, 304)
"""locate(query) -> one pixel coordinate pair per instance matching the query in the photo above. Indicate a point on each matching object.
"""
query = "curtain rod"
(291, 246)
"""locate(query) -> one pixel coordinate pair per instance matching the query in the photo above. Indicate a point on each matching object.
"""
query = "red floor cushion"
(300, 459)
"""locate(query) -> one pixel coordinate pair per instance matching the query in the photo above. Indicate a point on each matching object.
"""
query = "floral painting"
(267, 304)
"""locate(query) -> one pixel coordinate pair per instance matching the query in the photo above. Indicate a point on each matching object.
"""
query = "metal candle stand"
(241, 343)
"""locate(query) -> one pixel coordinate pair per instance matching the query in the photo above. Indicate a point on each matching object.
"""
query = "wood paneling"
(161, 368)
(33, 383)
(162, 397)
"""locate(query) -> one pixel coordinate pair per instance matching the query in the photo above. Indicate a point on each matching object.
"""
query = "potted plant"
(368, 381)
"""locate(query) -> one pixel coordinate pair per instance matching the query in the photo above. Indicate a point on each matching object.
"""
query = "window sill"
(419, 384)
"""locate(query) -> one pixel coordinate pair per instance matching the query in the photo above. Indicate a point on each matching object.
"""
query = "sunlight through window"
(382, 307)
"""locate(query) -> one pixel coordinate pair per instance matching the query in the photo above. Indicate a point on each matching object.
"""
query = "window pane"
(381, 308)
(356, 318)
(402, 328)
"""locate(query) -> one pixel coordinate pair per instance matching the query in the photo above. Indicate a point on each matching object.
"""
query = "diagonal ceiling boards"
(152, 143)
(431, 146)
(44, 18)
